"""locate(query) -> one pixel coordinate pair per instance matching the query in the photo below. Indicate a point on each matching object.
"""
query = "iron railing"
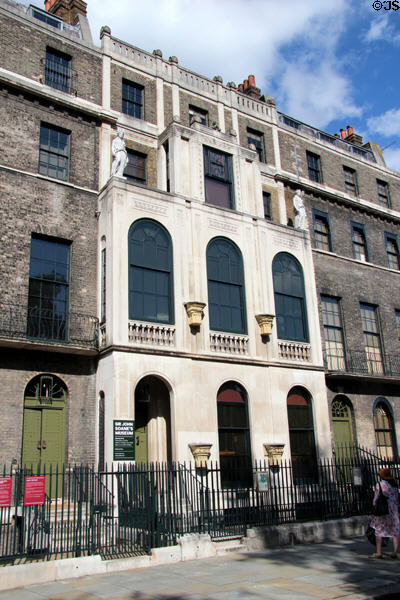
(134, 508)
(363, 363)
(19, 321)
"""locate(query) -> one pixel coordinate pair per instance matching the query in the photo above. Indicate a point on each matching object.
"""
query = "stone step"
(229, 545)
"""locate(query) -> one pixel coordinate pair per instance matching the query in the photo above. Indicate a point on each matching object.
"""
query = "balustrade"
(151, 334)
(230, 344)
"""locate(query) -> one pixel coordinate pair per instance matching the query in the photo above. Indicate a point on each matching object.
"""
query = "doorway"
(43, 437)
(152, 421)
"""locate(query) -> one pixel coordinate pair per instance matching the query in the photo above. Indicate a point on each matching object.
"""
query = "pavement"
(327, 571)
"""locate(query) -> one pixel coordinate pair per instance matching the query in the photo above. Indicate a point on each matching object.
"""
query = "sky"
(329, 63)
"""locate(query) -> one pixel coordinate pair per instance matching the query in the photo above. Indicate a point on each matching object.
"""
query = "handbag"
(370, 533)
(381, 507)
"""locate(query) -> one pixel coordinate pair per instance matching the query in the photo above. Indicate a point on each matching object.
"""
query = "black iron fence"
(19, 320)
(363, 363)
(121, 512)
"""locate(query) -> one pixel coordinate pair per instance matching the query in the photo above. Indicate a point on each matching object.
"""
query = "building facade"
(219, 320)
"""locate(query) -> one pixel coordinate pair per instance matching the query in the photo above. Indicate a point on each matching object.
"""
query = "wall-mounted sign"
(5, 491)
(357, 476)
(124, 440)
(262, 482)
(34, 490)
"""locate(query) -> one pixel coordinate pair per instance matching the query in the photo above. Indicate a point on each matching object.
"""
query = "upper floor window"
(350, 181)
(135, 170)
(322, 231)
(372, 338)
(58, 70)
(226, 298)
(384, 431)
(54, 152)
(267, 205)
(359, 240)
(195, 111)
(383, 193)
(392, 251)
(290, 301)
(218, 178)
(256, 138)
(333, 333)
(150, 272)
(48, 289)
(132, 99)
(314, 167)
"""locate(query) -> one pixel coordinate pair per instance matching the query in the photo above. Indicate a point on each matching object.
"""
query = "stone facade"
(162, 372)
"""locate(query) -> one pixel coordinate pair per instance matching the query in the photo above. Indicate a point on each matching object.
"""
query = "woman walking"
(387, 525)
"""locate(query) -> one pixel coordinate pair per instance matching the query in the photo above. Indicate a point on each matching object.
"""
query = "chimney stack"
(67, 10)
(249, 87)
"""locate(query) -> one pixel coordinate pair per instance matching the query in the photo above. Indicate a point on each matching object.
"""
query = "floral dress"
(388, 525)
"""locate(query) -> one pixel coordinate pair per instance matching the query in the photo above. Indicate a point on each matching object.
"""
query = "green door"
(43, 441)
(341, 422)
(141, 433)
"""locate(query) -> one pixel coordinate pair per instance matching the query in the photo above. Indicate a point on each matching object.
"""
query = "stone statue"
(120, 155)
(299, 210)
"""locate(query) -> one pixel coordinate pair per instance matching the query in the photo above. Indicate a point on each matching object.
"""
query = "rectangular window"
(383, 193)
(103, 285)
(333, 334)
(267, 205)
(167, 168)
(58, 70)
(218, 178)
(48, 289)
(256, 138)
(372, 338)
(392, 251)
(194, 111)
(322, 231)
(135, 170)
(397, 317)
(314, 167)
(359, 240)
(54, 152)
(132, 99)
(350, 181)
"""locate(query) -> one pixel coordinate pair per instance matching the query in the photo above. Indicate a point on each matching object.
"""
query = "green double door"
(43, 434)
(141, 433)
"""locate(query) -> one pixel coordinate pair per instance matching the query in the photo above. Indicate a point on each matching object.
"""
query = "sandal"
(376, 556)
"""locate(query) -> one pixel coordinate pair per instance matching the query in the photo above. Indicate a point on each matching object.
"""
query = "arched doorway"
(342, 423)
(152, 421)
(301, 435)
(43, 438)
(234, 436)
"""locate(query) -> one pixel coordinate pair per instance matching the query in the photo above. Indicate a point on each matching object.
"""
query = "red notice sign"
(5, 491)
(34, 490)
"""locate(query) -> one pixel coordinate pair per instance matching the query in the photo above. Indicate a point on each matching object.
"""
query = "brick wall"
(332, 169)
(266, 132)
(78, 373)
(21, 119)
(150, 96)
(23, 50)
(186, 99)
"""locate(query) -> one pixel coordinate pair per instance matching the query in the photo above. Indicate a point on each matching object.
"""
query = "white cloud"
(290, 47)
(387, 124)
(392, 158)
(381, 29)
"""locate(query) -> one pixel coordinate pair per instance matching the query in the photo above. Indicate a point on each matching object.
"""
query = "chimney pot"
(245, 84)
(252, 80)
(240, 87)
(337, 135)
(343, 134)
(350, 130)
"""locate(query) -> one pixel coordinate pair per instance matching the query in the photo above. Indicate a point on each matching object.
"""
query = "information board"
(262, 482)
(5, 491)
(124, 440)
(34, 490)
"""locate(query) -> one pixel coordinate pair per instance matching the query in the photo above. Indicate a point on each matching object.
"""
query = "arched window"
(290, 304)
(234, 436)
(150, 272)
(301, 434)
(384, 431)
(225, 286)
